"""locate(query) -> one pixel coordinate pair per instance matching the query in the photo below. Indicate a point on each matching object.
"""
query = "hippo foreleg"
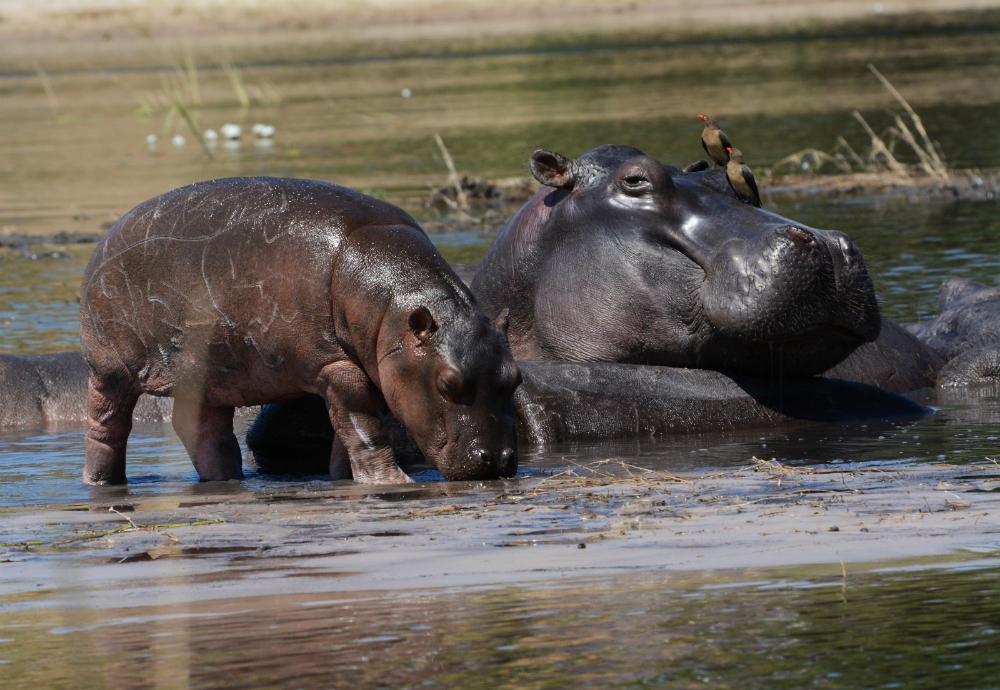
(350, 398)
(207, 434)
(109, 423)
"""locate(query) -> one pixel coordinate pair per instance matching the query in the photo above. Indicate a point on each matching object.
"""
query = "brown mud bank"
(601, 519)
(963, 185)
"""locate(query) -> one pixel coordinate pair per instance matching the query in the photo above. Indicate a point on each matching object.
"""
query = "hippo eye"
(632, 184)
(452, 385)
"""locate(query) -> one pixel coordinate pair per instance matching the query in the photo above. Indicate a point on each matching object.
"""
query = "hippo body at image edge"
(246, 291)
(619, 258)
(41, 390)
(966, 331)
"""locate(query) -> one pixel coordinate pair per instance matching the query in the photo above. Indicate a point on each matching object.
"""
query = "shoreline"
(446, 535)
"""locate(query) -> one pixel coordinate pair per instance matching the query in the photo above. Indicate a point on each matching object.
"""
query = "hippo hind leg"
(207, 434)
(109, 423)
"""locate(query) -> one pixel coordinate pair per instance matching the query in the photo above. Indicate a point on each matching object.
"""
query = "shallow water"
(79, 166)
(789, 628)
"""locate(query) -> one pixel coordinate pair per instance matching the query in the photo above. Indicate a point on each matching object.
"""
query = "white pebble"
(210, 135)
(178, 140)
(406, 93)
(231, 131)
(151, 139)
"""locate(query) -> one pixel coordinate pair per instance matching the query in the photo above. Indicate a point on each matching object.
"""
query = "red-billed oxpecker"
(714, 140)
(741, 179)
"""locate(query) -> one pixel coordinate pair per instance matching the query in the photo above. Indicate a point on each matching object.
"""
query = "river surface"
(77, 163)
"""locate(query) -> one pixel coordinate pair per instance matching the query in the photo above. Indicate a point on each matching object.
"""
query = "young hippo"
(247, 291)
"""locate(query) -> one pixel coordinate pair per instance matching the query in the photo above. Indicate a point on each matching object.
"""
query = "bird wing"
(726, 144)
(705, 146)
(752, 184)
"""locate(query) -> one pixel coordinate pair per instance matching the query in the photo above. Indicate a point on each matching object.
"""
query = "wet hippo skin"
(619, 258)
(247, 291)
(38, 390)
(564, 401)
(966, 331)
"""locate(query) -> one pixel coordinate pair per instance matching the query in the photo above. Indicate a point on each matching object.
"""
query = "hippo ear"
(697, 166)
(552, 169)
(503, 321)
(421, 323)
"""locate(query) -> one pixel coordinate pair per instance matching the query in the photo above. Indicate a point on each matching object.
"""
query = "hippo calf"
(619, 258)
(247, 291)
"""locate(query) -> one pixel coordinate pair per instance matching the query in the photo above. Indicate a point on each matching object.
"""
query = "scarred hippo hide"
(620, 258)
(247, 291)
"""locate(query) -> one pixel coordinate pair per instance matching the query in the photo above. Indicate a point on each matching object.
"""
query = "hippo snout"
(480, 463)
(502, 464)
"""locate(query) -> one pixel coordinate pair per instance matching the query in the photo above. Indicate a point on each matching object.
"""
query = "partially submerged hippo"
(246, 291)
(620, 258)
(966, 331)
(41, 390)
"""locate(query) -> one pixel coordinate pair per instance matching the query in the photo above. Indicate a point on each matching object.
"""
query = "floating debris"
(151, 140)
(405, 93)
(211, 135)
(231, 131)
(178, 140)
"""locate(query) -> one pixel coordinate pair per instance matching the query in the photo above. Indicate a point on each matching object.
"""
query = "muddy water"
(77, 162)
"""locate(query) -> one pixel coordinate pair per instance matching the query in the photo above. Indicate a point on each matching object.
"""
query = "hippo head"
(622, 259)
(450, 379)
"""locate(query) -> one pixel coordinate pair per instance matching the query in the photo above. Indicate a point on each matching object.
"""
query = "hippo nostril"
(799, 234)
(506, 457)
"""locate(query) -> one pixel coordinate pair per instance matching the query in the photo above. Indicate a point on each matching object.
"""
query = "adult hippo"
(247, 291)
(619, 258)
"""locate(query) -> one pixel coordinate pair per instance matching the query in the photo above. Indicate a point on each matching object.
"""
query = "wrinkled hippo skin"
(564, 401)
(39, 390)
(247, 291)
(966, 332)
(967, 311)
(619, 258)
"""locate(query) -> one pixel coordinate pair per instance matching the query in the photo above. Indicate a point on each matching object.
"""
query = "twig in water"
(843, 587)
(237, 81)
(938, 164)
(879, 147)
(47, 85)
(194, 129)
(463, 202)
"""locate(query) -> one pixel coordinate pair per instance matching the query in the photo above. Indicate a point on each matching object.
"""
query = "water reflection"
(790, 628)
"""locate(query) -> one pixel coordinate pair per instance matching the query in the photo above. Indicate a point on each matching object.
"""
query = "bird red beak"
(729, 149)
(702, 117)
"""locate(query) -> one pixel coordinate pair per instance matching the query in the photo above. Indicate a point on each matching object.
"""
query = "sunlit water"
(80, 168)
(764, 630)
